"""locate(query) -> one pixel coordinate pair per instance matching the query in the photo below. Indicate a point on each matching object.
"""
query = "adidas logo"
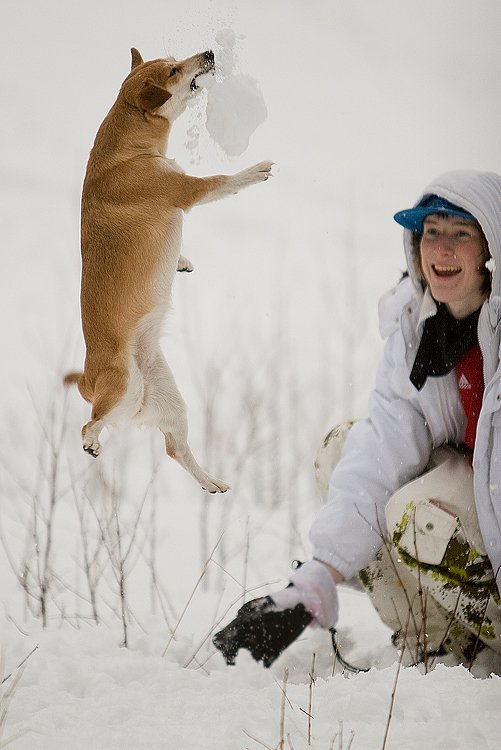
(464, 383)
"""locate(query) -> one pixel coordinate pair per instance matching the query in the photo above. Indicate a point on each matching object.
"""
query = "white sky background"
(366, 102)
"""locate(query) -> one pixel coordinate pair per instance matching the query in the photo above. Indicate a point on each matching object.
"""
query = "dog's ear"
(153, 96)
(136, 58)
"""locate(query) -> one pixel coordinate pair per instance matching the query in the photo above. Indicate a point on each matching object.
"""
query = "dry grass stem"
(246, 560)
(310, 698)
(190, 598)
(394, 690)
(6, 696)
(282, 709)
(259, 742)
(20, 665)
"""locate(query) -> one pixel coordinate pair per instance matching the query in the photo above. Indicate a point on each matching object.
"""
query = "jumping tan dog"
(132, 212)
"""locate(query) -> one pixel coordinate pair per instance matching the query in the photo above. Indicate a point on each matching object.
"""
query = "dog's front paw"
(258, 173)
(261, 171)
(184, 265)
(264, 169)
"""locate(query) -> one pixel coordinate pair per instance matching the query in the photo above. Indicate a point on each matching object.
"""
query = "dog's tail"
(78, 378)
(72, 378)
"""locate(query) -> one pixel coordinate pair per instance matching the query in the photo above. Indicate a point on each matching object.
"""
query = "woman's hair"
(416, 248)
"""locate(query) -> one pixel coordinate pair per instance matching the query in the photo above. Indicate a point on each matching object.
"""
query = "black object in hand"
(262, 629)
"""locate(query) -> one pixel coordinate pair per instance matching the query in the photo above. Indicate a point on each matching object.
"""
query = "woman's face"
(452, 261)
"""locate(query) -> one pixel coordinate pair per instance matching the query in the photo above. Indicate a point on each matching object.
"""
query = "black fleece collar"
(443, 342)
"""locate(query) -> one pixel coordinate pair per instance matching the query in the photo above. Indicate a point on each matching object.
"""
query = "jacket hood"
(479, 193)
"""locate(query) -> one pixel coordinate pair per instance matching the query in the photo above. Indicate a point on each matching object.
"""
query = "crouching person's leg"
(432, 582)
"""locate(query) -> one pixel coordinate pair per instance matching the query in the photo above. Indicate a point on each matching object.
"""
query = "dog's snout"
(209, 58)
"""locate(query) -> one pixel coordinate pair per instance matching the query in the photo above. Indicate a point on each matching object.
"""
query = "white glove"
(314, 587)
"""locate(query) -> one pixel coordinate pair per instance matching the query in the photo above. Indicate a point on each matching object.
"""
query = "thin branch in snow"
(259, 742)
(310, 697)
(394, 691)
(197, 584)
(21, 664)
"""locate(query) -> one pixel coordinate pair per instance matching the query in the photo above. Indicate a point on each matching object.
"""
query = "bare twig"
(6, 696)
(246, 560)
(477, 641)
(282, 709)
(21, 664)
(88, 560)
(255, 739)
(310, 698)
(197, 584)
(121, 574)
(423, 600)
(394, 691)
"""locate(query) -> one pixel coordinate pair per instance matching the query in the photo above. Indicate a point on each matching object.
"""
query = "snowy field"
(115, 573)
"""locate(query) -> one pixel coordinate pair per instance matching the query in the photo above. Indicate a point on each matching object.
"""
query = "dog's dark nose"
(209, 58)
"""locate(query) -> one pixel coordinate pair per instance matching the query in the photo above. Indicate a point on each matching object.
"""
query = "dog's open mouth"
(207, 67)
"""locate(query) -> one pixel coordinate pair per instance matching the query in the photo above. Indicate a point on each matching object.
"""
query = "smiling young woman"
(413, 491)
(452, 258)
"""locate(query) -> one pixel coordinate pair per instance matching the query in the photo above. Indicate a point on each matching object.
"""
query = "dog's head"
(163, 87)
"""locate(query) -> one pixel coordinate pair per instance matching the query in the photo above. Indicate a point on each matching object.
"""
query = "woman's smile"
(445, 271)
(452, 259)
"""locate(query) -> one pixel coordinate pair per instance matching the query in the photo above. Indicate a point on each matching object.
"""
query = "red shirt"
(470, 378)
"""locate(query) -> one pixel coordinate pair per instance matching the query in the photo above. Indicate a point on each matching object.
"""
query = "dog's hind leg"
(164, 408)
(90, 436)
(118, 394)
(183, 455)
(184, 264)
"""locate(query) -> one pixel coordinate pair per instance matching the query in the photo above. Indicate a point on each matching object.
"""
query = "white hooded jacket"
(393, 444)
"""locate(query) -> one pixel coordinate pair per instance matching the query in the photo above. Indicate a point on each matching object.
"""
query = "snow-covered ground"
(81, 690)
(272, 339)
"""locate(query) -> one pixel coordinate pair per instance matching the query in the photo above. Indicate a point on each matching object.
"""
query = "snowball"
(226, 40)
(235, 108)
(234, 103)
(206, 80)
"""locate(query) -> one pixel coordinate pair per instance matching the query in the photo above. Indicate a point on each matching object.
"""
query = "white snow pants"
(431, 581)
